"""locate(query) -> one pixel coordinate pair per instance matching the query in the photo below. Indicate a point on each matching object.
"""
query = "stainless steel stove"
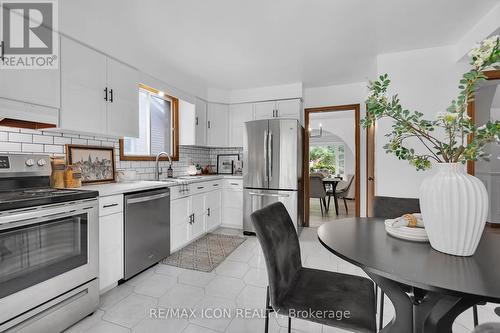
(48, 249)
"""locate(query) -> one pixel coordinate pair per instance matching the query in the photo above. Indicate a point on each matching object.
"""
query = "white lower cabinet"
(179, 222)
(213, 207)
(232, 203)
(194, 215)
(110, 241)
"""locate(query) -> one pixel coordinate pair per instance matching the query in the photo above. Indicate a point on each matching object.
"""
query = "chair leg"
(266, 327)
(345, 204)
(475, 316)
(381, 314)
(289, 324)
(321, 206)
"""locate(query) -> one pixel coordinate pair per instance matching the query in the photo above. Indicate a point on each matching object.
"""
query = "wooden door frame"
(370, 169)
(471, 112)
(357, 153)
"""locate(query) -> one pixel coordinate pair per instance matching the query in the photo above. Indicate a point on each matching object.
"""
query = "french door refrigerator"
(272, 168)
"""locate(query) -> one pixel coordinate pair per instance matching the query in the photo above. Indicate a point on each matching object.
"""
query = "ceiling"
(235, 44)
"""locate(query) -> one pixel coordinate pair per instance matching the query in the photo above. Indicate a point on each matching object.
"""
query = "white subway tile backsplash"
(43, 139)
(10, 146)
(32, 148)
(13, 140)
(62, 140)
(76, 141)
(54, 149)
(20, 137)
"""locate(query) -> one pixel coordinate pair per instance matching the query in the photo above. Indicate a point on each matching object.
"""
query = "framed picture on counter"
(225, 163)
(97, 163)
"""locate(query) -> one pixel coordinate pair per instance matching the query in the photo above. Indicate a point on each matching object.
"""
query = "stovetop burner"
(24, 182)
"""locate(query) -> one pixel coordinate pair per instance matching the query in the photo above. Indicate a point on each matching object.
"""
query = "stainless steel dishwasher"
(147, 229)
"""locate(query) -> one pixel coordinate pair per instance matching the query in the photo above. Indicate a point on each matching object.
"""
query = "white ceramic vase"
(454, 207)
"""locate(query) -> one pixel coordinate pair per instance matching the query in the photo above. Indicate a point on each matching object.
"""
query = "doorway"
(331, 163)
(486, 107)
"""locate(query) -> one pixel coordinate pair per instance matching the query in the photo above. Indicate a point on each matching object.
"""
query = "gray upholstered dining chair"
(487, 328)
(317, 190)
(390, 208)
(342, 193)
(296, 291)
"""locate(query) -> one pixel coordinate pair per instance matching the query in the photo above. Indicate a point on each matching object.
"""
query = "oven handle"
(14, 220)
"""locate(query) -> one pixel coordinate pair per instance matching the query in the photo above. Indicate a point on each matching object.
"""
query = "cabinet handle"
(2, 54)
(215, 185)
(106, 94)
(196, 121)
(209, 125)
(200, 187)
(111, 95)
(208, 211)
(235, 184)
(110, 205)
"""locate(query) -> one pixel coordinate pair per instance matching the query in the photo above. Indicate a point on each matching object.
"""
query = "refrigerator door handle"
(269, 195)
(270, 155)
(266, 137)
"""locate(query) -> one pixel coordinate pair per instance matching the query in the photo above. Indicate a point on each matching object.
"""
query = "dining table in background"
(333, 181)
(429, 289)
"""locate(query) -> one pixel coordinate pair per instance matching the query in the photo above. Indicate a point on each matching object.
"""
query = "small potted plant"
(454, 204)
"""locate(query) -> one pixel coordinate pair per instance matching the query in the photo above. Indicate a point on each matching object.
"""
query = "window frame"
(175, 130)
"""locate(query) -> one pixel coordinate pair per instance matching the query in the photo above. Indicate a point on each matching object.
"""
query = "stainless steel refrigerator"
(272, 168)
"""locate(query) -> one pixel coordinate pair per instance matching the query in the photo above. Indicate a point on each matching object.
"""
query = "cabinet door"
(217, 124)
(179, 223)
(232, 208)
(83, 79)
(41, 87)
(264, 110)
(201, 123)
(238, 115)
(214, 208)
(289, 109)
(187, 123)
(110, 250)
(198, 208)
(123, 103)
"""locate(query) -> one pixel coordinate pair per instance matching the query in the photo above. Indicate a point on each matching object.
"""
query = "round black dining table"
(428, 289)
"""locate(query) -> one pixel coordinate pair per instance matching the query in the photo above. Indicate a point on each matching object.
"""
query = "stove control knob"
(41, 162)
(30, 162)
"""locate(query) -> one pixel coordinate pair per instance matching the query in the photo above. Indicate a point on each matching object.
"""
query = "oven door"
(45, 252)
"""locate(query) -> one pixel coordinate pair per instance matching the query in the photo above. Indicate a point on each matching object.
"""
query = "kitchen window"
(158, 127)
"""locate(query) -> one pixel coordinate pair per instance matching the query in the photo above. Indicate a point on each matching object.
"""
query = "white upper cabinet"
(35, 86)
(217, 125)
(238, 115)
(201, 123)
(83, 80)
(123, 99)
(291, 108)
(187, 123)
(99, 95)
(264, 110)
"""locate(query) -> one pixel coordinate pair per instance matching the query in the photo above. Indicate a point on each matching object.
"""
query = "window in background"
(328, 158)
(158, 127)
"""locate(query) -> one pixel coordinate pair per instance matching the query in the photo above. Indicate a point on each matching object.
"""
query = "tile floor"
(239, 282)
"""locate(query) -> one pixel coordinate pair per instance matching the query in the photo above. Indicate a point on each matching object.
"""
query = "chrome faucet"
(157, 166)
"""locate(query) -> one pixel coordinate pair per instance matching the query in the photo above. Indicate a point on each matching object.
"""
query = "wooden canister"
(58, 165)
(73, 176)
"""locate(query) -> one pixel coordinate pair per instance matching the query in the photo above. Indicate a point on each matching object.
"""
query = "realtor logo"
(29, 34)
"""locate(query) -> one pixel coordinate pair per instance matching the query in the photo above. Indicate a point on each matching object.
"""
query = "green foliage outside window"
(322, 159)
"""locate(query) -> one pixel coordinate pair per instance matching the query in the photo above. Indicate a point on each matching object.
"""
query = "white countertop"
(141, 185)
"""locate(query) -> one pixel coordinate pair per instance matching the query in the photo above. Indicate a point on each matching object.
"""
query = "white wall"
(293, 90)
(425, 80)
(353, 93)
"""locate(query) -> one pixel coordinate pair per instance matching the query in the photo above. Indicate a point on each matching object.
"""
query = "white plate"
(402, 235)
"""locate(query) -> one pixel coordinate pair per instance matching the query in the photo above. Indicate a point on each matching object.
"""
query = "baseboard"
(493, 225)
(231, 226)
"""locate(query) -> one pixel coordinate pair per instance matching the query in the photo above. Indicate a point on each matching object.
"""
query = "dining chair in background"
(342, 193)
(317, 190)
(293, 288)
(390, 208)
